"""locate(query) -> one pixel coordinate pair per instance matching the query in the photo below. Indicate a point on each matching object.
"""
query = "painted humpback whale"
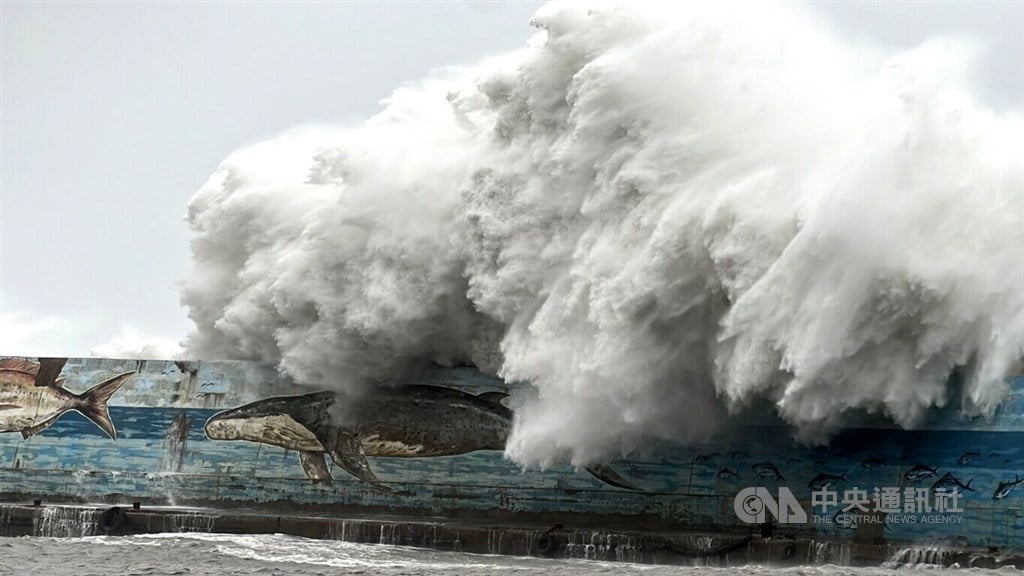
(409, 422)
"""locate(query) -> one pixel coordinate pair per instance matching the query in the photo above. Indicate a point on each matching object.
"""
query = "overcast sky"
(113, 114)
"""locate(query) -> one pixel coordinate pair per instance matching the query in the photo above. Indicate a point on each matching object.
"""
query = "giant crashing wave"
(655, 216)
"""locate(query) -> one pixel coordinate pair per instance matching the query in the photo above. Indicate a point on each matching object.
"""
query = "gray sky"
(113, 114)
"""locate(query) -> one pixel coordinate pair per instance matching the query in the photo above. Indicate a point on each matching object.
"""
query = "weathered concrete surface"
(167, 455)
(560, 540)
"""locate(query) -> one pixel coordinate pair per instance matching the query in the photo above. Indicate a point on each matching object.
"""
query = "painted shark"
(32, 397)
(409, 422)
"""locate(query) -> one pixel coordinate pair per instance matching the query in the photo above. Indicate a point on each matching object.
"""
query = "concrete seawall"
(711, 549)
(236, 438)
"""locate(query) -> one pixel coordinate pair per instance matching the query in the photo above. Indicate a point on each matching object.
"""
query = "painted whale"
(32, 397)
(409, 422)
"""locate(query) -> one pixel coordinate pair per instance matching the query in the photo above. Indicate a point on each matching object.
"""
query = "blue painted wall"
(162, 454)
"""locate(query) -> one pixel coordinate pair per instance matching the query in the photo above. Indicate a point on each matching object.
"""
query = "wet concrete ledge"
(482, 537)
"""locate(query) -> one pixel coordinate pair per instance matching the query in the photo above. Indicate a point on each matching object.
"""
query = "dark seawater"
(195, 554)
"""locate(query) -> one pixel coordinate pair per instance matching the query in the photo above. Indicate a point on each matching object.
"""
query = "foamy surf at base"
(233, 555)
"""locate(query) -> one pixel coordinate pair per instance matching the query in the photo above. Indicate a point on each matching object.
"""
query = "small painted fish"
(705, 458)
(823, 481)
(920, 472)
(872, 463)
(767, 470)
(726, 474)
(1005, 487)
(968, 457)
(950, 483)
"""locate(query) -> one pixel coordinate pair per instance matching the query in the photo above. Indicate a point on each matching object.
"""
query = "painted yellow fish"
(32, 398)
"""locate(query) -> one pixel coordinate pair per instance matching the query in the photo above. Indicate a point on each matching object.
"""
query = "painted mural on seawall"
(235, 434)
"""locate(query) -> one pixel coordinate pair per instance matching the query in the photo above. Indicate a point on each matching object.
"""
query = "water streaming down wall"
(495, 540)
(387, 535)
(5, 520)
(492, 540)
(484, 539)
(67, 521)
(80, 521)
(338, 531)
(837, 553)
(602, 546)
(176, 442)
(188, 522)
(913, 556)
(675, 547)
(423, 534)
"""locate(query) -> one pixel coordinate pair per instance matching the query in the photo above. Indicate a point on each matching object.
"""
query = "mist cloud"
(655, 216)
